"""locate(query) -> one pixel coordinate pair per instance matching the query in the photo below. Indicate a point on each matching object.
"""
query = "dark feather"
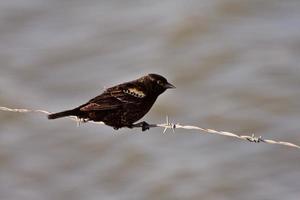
(121, 105)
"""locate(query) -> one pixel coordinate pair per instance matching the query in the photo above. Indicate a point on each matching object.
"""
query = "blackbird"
(121, 105)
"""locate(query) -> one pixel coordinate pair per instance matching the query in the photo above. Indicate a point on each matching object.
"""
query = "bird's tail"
(63, 114)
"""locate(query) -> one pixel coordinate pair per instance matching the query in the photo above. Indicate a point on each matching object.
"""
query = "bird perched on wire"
(121, 105)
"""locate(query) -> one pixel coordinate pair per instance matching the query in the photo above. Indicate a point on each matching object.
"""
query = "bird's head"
(157, 83)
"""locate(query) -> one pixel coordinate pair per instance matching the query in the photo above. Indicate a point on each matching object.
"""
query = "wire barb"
(169, 125)
(255, 139)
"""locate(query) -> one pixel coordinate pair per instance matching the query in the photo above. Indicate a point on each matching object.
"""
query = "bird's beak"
(169, 86)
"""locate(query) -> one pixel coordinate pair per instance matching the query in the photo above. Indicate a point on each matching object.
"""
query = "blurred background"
(235, 64)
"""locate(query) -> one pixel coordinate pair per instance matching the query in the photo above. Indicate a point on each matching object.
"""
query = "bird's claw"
(144, 125)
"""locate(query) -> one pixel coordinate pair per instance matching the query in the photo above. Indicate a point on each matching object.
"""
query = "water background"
(236, 68)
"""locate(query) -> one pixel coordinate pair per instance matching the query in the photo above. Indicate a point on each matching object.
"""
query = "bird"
(121, 105)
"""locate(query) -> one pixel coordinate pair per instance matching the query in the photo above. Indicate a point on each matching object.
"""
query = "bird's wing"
(101, 102)
(114, 98)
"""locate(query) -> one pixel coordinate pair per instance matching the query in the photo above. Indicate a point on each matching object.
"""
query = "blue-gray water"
(236, 68)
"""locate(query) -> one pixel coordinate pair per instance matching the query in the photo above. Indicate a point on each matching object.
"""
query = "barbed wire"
(169, 125)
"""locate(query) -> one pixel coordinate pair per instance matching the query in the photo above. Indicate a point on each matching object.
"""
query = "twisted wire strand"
(169, 125)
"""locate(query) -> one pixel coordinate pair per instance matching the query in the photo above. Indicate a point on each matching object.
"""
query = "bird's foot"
(144, 125)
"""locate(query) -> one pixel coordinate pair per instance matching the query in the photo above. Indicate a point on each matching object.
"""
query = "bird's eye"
(159, 82)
